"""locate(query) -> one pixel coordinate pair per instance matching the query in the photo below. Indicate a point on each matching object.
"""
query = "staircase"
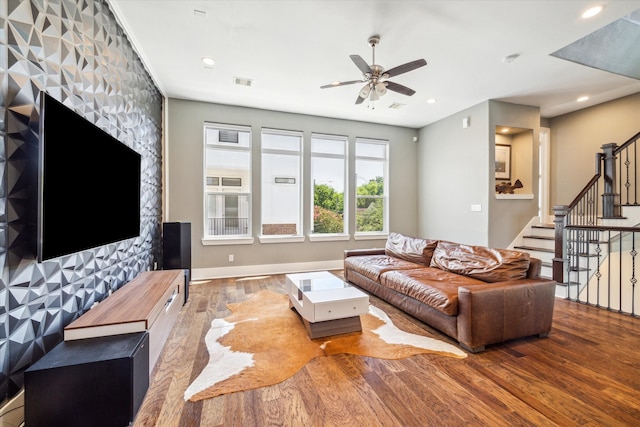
(539, 241)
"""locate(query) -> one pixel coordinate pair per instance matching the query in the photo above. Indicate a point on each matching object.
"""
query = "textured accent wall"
(76, 51)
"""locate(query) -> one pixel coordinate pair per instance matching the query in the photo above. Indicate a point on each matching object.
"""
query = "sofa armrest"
(361, 252)
(497, 312)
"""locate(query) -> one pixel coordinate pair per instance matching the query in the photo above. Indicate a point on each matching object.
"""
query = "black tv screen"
(88, 184)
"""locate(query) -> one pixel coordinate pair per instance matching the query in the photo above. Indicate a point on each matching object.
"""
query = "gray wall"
(508, 217)
(456, 171)
(84, 60)
(453, 175)
(578, 136)
(184, 181)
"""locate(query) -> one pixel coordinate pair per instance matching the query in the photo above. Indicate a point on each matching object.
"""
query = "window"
(328, 183)
(371, 186)
(281, 189)
(227, 182)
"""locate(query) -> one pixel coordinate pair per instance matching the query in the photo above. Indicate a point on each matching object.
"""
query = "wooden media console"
(150, 302)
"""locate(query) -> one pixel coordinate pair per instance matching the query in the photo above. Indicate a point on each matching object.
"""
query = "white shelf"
(514, 196)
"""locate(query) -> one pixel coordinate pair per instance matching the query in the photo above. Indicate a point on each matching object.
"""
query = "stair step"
(578, 269)
(564, 284)
(545, 226)
(534, 249)
(533, 236)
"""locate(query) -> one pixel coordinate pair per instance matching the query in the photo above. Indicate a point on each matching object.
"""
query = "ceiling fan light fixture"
(381, 89)
(364, 92)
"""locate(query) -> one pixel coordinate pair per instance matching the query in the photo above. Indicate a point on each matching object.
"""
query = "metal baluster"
(598, 274)
(633, 273)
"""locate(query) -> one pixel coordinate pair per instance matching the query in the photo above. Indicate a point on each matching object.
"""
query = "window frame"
(285, 238)
(344, 156)
(247, 238)
(371, 235)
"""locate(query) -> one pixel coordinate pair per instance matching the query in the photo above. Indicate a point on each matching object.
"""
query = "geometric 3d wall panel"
(76, 51)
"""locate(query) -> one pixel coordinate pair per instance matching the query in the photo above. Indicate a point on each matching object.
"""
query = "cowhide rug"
(264, 342)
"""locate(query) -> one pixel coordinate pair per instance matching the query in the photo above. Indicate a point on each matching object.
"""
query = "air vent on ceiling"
(396, 105)
(242, 81)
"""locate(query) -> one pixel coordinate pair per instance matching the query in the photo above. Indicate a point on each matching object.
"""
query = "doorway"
(543, 177)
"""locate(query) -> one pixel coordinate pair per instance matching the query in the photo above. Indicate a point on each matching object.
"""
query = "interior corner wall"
(185, 153)
(577, 137)
(76, 51)
(507, 217)
(453, 165)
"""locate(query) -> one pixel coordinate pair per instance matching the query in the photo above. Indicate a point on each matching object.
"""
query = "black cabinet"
(176, 249)
(90, 382)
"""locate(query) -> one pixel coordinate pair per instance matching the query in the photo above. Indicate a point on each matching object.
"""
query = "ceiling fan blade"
(399, 88)
(361, 64)
(404, 68)
(336, 84)
(359, 100)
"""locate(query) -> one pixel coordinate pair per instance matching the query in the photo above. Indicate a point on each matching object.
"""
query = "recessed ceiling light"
(432, 101)
(582, 98)
(208, 61)
(592, 11)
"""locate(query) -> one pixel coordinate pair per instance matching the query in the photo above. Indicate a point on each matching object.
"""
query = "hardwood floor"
(585, 373)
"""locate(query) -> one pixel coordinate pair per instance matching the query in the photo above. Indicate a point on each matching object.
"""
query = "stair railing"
(578, 226)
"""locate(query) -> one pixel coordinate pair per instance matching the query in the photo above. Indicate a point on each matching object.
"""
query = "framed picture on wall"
(503, 161)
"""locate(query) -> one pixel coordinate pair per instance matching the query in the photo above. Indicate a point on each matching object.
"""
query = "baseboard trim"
(12, 413)
(261, 270)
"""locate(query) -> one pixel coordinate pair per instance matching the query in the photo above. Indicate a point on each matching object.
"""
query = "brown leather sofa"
(476, 295)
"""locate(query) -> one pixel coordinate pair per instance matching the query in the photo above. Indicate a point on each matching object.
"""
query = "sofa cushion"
(372, 266)
(431, 286)
(411, 249)
(480, 262)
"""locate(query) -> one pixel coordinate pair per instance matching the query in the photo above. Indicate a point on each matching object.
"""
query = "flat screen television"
(88, 184)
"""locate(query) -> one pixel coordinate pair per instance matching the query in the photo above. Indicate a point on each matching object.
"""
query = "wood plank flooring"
(585, 374)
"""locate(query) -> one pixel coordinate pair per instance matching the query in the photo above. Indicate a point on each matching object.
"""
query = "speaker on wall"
(176, 250)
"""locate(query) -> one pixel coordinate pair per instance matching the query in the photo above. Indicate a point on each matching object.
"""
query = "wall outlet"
(231, 258)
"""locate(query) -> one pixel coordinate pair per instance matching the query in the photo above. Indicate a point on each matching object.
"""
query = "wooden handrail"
(630, 141)
(584, 191)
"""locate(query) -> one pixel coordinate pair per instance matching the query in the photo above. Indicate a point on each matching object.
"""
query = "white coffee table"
(327, 304)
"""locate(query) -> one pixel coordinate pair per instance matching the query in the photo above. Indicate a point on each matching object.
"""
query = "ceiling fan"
(376, 77)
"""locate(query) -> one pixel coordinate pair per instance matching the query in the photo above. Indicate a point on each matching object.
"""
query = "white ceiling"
(291, 48)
